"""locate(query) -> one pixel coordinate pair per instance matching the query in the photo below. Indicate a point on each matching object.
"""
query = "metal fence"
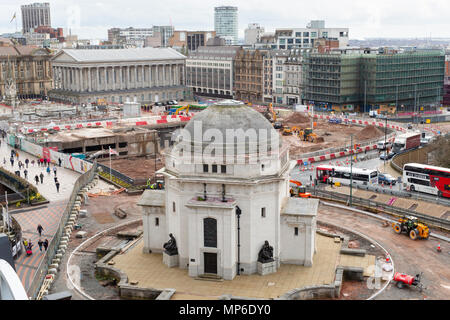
(116, 173)
(41, 271)
(335, 196)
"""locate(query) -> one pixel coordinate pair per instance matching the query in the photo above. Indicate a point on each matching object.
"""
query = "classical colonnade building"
(115, 75)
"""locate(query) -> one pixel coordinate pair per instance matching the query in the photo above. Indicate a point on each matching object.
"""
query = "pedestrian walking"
(37, 179)
(4, 161)
(56, 179)
(12, 161)
(54, 170)
(32, 162)
(59, 161)
(42, 177)
(40, 243)
(40, 229)
(26, 162)
(41, 161)
(57, 186)
(45, 244)
(48, 170)
(48, 162)
(17, 155)
(25, 172)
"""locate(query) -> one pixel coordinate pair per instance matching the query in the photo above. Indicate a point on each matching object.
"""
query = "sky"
(90, 19)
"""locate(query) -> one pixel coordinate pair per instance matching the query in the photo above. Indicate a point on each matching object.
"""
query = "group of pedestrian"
(29, 245)
(44, 162)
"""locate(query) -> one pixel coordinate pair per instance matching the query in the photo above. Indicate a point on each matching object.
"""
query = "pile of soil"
(295, 119)
(368, 132)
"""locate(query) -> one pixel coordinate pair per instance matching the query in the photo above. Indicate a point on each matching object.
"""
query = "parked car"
(387, 156)
(382, 146)
(410, 126)
(386, 179)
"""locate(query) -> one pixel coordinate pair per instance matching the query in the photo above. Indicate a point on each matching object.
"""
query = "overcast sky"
(90, 19)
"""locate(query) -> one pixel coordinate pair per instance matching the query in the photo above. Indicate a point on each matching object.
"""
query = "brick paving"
(149, 270)
(49, 217)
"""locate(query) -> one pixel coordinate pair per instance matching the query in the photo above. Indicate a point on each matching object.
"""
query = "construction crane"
(182, 108)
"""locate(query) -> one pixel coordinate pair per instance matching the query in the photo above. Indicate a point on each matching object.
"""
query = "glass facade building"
(226, 23)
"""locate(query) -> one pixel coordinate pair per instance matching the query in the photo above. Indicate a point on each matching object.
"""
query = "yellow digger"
(411, 226)
(287, 131)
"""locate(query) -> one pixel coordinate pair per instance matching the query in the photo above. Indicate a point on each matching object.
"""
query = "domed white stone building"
(226, 193)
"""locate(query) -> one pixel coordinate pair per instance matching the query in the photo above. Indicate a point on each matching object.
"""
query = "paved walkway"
(48, 216)
(150, 271)
(66, 177)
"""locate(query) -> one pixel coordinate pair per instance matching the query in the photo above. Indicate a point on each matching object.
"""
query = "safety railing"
(356, 201)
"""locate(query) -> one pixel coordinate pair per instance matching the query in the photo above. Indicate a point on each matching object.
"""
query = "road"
(409, 256)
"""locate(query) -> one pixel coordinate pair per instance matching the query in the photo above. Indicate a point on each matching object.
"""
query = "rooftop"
(299, 206)
(109, 55)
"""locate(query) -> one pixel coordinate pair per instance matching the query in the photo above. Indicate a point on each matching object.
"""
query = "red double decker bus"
(427, 179)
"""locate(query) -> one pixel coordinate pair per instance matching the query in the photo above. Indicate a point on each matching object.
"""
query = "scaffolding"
(407, 79)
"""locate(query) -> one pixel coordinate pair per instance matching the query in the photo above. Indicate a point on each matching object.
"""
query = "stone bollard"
(63, 246)
(58, 255)
(64, 243)
(54, 266)
(52, 271)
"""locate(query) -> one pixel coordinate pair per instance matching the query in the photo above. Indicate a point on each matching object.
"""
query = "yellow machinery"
(299, 190)
(412, 227)
(287, 131)
(181, 109)
(101, 102)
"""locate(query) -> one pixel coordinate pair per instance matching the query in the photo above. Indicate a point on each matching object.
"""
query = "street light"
(351, 170)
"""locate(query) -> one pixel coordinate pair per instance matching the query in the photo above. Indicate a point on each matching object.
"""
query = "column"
(106, 80)
(127, 83)
(89, 79)
(113, 78)
(143, 77)
(120, 77)
(135, 77)
(149, 80)
(97, 86)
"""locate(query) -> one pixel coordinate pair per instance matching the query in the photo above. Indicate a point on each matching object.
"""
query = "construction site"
(304, 135)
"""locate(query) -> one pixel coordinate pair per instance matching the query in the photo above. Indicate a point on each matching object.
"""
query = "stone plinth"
(170, 261)
(267, 268)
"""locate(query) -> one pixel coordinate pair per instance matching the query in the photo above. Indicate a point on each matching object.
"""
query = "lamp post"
(351, 170)
(385, 147)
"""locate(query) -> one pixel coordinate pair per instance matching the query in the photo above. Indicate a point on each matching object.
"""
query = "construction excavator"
(308, 135)
(299, 190)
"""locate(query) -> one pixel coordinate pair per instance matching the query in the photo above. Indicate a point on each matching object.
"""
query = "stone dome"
(228, 117)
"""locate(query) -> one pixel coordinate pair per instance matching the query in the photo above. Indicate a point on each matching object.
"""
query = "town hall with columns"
(225, 218)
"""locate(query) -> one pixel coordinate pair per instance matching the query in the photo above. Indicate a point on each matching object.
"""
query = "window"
(156, 221)
(223, 169)
(313, 34)
(214, 168)
(306, 34)
(205, 168)
(210, 232)
(173, 206)
(296, 231)
(325, 34)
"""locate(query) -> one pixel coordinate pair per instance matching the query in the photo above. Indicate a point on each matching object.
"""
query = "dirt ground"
(334, 135)
(100, 217)
(140, 169)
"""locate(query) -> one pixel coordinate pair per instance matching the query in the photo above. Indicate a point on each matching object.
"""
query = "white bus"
(426, 178)
(327, 173)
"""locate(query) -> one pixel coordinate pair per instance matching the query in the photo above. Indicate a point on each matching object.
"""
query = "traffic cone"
(388, 260)
(439, 248)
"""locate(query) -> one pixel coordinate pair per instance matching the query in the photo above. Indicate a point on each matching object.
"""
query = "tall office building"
(226, 24)
(35, 15)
